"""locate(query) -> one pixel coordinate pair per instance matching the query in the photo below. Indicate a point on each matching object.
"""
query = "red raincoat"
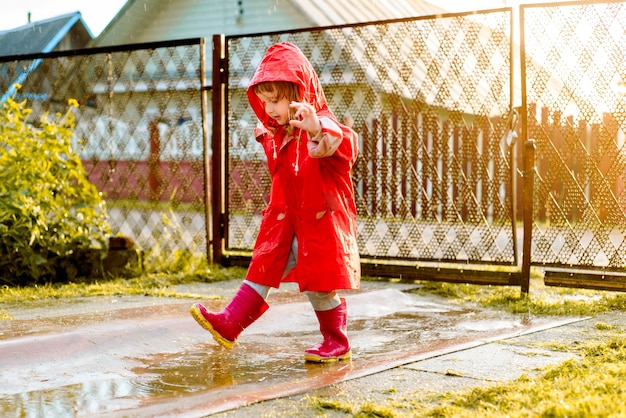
(310, 198)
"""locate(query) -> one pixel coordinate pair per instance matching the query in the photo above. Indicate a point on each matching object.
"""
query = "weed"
(323, 404)
(370, 410)
(5, 316)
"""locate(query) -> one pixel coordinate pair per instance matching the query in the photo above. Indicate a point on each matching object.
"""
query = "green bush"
(52, 218)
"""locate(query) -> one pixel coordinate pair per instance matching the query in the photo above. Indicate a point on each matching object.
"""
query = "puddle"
(159, 362)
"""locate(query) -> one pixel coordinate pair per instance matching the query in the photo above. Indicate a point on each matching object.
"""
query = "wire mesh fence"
(138, 131)
(430, 99)
(576, 85)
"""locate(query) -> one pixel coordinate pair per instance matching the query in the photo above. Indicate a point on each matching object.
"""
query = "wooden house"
(61, 33)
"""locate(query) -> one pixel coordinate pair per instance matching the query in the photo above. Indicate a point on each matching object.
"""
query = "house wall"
(166, 20)
(76, 38)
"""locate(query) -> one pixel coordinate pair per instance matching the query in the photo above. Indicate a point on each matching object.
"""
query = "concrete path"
(134, 356)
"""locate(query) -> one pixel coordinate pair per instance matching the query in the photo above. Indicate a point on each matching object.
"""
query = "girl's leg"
(332, 315)
(323, 301)
(293, 257)
(247, 306)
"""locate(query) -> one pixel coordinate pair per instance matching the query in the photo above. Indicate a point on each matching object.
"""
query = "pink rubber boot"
(246, 307)
(333, 326)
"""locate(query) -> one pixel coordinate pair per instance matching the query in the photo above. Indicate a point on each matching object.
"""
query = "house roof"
(55, 34)
(161, 20)
(331, 12)
(41, 36)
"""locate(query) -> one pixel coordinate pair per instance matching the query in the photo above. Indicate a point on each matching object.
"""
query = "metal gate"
(431, 101)
(574, 75)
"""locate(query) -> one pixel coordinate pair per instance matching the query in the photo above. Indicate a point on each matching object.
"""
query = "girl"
(308, 231)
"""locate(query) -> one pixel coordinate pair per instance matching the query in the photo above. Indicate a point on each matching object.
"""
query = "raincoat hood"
(286, 62)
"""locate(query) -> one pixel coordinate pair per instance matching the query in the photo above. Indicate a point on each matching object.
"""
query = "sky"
(96, 13)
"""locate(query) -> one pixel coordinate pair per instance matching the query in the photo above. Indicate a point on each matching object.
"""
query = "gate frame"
(505, 275)
(558, 276)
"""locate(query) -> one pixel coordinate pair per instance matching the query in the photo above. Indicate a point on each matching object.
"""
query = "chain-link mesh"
(576, 85)
(138, 131)
(430, 100)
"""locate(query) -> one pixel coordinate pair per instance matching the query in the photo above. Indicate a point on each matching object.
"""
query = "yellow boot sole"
(195, 312)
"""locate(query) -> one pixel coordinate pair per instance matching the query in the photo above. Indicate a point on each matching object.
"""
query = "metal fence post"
(218, 147)
(527, 207)
(206, 155)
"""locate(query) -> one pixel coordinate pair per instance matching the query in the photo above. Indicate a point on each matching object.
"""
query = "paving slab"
(494, 362)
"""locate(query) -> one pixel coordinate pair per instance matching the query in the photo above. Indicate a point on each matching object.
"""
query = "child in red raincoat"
(308, 231)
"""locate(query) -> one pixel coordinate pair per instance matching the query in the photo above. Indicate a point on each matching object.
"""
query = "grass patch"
(541, 300)
(589, 387)
(5, 316)
(155, 206)
(321, 404)
(366, 410)
(159, 285)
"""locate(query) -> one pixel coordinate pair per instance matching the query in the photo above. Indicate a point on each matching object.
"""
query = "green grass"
(590, 386)
(155, 206)
(541, 300)
(159, 285)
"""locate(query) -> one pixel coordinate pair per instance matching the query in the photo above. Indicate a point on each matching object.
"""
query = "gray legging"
(321, 301)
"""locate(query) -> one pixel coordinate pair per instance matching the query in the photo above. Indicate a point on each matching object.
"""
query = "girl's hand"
(305, 118)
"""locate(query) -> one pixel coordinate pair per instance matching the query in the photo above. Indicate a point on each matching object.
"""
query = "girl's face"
(277, 109)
